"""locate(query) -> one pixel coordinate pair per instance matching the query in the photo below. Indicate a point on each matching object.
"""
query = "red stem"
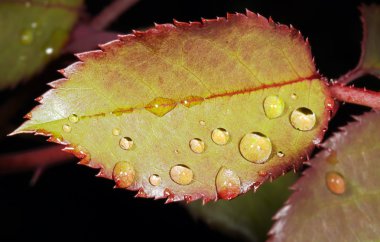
(111, 13)
(354, 95)
(33, 159)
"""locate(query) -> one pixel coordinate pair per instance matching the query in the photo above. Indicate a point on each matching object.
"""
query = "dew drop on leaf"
(335, 183)
(280, 154)
(66, 128)
(115, 131)
(73, 118)
(220, 136)
(181, 174)
(161, 106)
(27, 37)
(293, 96)
(49, 50)
(273, 106)
(126, 143)
(155, 180)
(192, 101)
(303, 119)
(123, 174)
(255, 147)
(197, 145)
(227, 184)
(202, 122)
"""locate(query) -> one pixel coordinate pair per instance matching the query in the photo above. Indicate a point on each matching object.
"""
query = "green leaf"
(250, 215)
(178, 111)
(338, 198)
(32, 33)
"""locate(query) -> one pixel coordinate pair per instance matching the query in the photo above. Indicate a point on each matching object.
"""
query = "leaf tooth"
(57, 83)
(127, 37)
(28, 115)
(54, 139)
(95, 54)
(141, 193)
(101, 174)
(138, 33)
(249, 13)
(180, 24)
(196, 24)
(111, 46)
(39, 99)
(71, 69)
(188, 198)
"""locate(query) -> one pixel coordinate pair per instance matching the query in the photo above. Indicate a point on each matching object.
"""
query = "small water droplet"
(262, 173)
(66, 128)
(335, 183)
(220, 136)
(192, 101)
(27, 37)
(161, 106)
(255, 147)
(73, 118)
(181, 174)
(155, 180)
(49, 50)
(115, 131)
(273, 106)
(293, 96)
(227, 184)
(332, 158)
(126, 143)
(303, 119)
(197, 145)
(202, 122)
(123, 174)
(34, 25)
(280, 154)
(176, 151)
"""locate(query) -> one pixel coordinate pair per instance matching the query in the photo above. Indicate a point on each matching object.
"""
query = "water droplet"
(197, 145)
(27, 37)
(155, 180)
(192, 101)
(181, 174)
(202, 122)
(332, 158)
(262, 173)
(123, 174)
(176, 151)
(34, 25)
(220, 136)
(126, 143)
(255, 147)
(49, 50)
(335, 183)
(66, 128)
(280, 154)
(227, 184)
(303, 119)
(116, 131)
(293, 96)
(273, 106)
(73, 118)
(161, 106)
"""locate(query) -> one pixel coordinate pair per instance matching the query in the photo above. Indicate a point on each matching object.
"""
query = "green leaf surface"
(178, 111)
(250, 215)
(32, 33)
(338, 197)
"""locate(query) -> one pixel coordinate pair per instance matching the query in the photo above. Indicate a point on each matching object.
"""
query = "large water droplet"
(255, 147)
(197, 145)
(66, 128)
(116, 131)
(227, 184)
(335, 183)
(123, 174)
(192, 101)
(126, 143)
(73, 118)
(220, 136)
(181, 174)
(155, 180)
(161, 106)
(27, 37)
(303, 119)
(273, 106)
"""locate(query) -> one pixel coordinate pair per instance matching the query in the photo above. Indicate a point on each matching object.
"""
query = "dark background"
(69, 203)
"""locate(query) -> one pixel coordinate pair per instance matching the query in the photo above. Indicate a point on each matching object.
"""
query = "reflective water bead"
(273, 106)
(255, 147)
(303, 119)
